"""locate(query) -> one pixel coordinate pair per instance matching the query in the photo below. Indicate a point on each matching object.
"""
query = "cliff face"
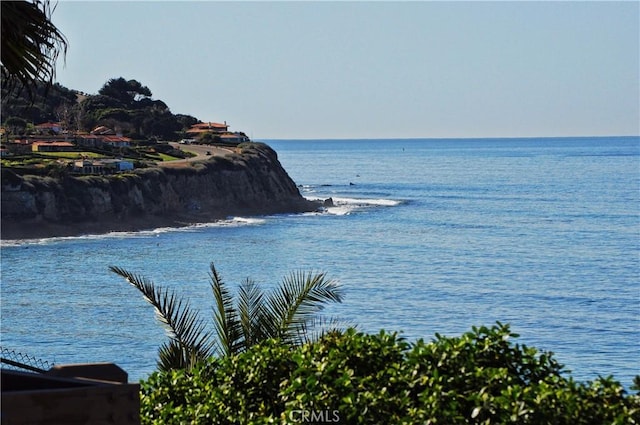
(248, 182)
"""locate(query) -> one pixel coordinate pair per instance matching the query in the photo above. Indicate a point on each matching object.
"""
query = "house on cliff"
(207, 127)
(52, 146)
(231, 138)
(116, 141)
(88, 140)
(49, 128)
(220, 133)
(19, 146)
(98, 141)
(101, 166)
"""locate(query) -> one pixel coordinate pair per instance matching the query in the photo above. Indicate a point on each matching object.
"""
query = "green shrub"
(357, 378)
(227, 390)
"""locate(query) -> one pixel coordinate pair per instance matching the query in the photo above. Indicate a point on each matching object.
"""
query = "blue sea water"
(425, 236)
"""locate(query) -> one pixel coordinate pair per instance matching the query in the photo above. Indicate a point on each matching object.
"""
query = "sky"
(315, 70)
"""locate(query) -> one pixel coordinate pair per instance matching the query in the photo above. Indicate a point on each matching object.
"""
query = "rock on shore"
(248, 182)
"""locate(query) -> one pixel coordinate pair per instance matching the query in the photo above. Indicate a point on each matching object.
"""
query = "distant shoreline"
(31, 229)
(14, 230)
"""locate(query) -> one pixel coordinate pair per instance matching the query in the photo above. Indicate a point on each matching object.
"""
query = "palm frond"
(251, 309)
(298, 299)
(184, 326)
(288, 314)
(172, 355)
(320, 326)
(227, 324)
(31, 43)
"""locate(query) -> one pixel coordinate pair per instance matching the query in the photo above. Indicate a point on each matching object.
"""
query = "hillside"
(75, 163)
(126, 106)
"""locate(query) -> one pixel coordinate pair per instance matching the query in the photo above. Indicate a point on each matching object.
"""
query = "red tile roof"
(116, 139)
(55, 143)
(49, 125)
(209, 125)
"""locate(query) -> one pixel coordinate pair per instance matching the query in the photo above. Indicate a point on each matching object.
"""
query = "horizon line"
(443, 138)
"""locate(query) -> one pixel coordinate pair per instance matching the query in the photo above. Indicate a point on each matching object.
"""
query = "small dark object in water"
(328, 202)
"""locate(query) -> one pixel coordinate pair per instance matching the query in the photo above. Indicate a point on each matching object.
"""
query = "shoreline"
(57, 231)
(13, 230)
(22, 230)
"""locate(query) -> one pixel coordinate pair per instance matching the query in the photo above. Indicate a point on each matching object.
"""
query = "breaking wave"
(346, 206)
(229, 222)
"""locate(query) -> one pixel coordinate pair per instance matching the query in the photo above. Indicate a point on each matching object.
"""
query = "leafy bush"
(356, 378)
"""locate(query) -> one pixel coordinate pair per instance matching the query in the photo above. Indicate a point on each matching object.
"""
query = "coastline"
(249, 182)
(33, 229)
(17, 230)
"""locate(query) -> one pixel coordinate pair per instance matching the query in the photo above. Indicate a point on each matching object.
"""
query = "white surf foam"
(345, 206)
(230, 222)
(368, 202)
(241, 221)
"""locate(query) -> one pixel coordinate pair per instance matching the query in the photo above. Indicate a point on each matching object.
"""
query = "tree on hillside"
(126, 91)
(91, 110)
(42, 104)
(16, 125)
(288, 314)
(30, 44)
(125, 106)
(186, 121)
(159, 124)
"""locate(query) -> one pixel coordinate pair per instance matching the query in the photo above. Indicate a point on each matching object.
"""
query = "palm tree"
(30, 44)
(288, 314)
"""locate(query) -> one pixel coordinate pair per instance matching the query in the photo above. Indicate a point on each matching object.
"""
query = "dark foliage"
(122, 105)
(42, 104)
(30, 45)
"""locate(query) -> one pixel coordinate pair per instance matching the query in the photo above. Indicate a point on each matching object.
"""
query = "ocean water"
(425, 236)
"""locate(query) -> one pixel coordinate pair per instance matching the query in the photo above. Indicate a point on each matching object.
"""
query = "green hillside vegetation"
(122, 109)
(125, 105)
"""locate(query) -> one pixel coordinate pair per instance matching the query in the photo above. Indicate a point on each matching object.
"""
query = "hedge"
(350, 377)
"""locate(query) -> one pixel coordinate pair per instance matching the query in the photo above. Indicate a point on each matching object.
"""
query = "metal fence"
(11, 359)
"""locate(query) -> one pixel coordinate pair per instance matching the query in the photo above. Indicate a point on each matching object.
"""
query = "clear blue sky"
(370, 69)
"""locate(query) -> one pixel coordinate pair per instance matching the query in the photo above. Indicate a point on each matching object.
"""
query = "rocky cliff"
(250, 181)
